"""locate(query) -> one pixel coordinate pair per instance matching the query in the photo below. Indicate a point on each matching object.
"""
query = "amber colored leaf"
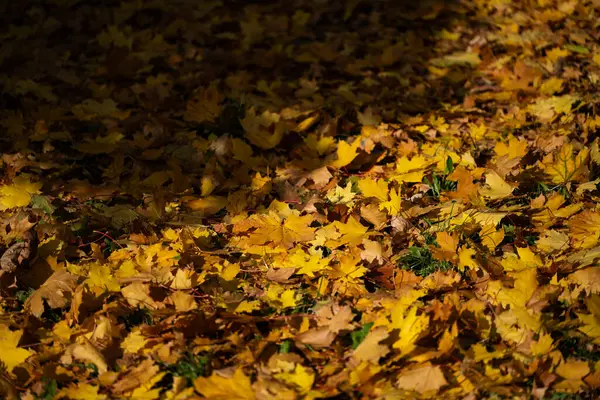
(497, 188)
(448, 245)
(56, 291)
(371, 349)
(208, 205)
(270, 228)
(585, 229)
(567, 166)
(205, 106)
(423, 379)
(219, 387)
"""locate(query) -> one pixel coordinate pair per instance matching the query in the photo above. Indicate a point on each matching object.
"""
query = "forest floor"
(300, 199)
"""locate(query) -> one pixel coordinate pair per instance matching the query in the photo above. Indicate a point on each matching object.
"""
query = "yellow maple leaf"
(101, 278)
(84, 350)
(146, 390)
(465, 259)
(478, 132)
(585, 229)
(185, 279)
(497, 188)
(448, 339)
(126, 270)
(348, 267)
(18, 194)
(526, 259)
(277, 232)
(551, 86)
(363, 372)
(307, 264)
(320, 144)
(138, 295)
(230, 271)
(278, 295)
(134, 341)
(81, 391)
(515, 148)
(573, 372)
(547, 109)
(340, 195)
(10, 354)
(265, 130)
(524, 287)
(345, 153)
(370, 349)
(217, 387)
(411, 327)
(412, 170)
(374, 188)
(573, 369)
(247, 306)
(543, 345)
(590, 326)
(393, 205)
(565, 166)
(556, 53)
(547, 211)
(298, 375)
(241, 150)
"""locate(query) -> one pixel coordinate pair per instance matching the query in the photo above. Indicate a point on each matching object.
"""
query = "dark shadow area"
(129, 109)
(68, 67)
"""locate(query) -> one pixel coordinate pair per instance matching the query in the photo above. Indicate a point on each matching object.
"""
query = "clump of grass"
(420, 261)
(137, 317)
(191, 366)
(440, 183)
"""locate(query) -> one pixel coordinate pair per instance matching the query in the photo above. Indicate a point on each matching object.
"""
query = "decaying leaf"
(56, 291)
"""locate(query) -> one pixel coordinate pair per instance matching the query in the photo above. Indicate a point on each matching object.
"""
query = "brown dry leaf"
(57, 291)
(85, 351)
(318, 337)
(138, 295)
(423, 379)
(183, 301)
(370, 348)
(135, 377)
(205, 106)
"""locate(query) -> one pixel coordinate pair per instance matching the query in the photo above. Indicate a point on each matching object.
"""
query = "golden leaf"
(19, 193)
(217, 387)
(497, 187)
(10, 353)
(565, 166)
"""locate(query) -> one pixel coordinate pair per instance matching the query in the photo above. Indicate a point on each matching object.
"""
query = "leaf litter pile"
(303, 199)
